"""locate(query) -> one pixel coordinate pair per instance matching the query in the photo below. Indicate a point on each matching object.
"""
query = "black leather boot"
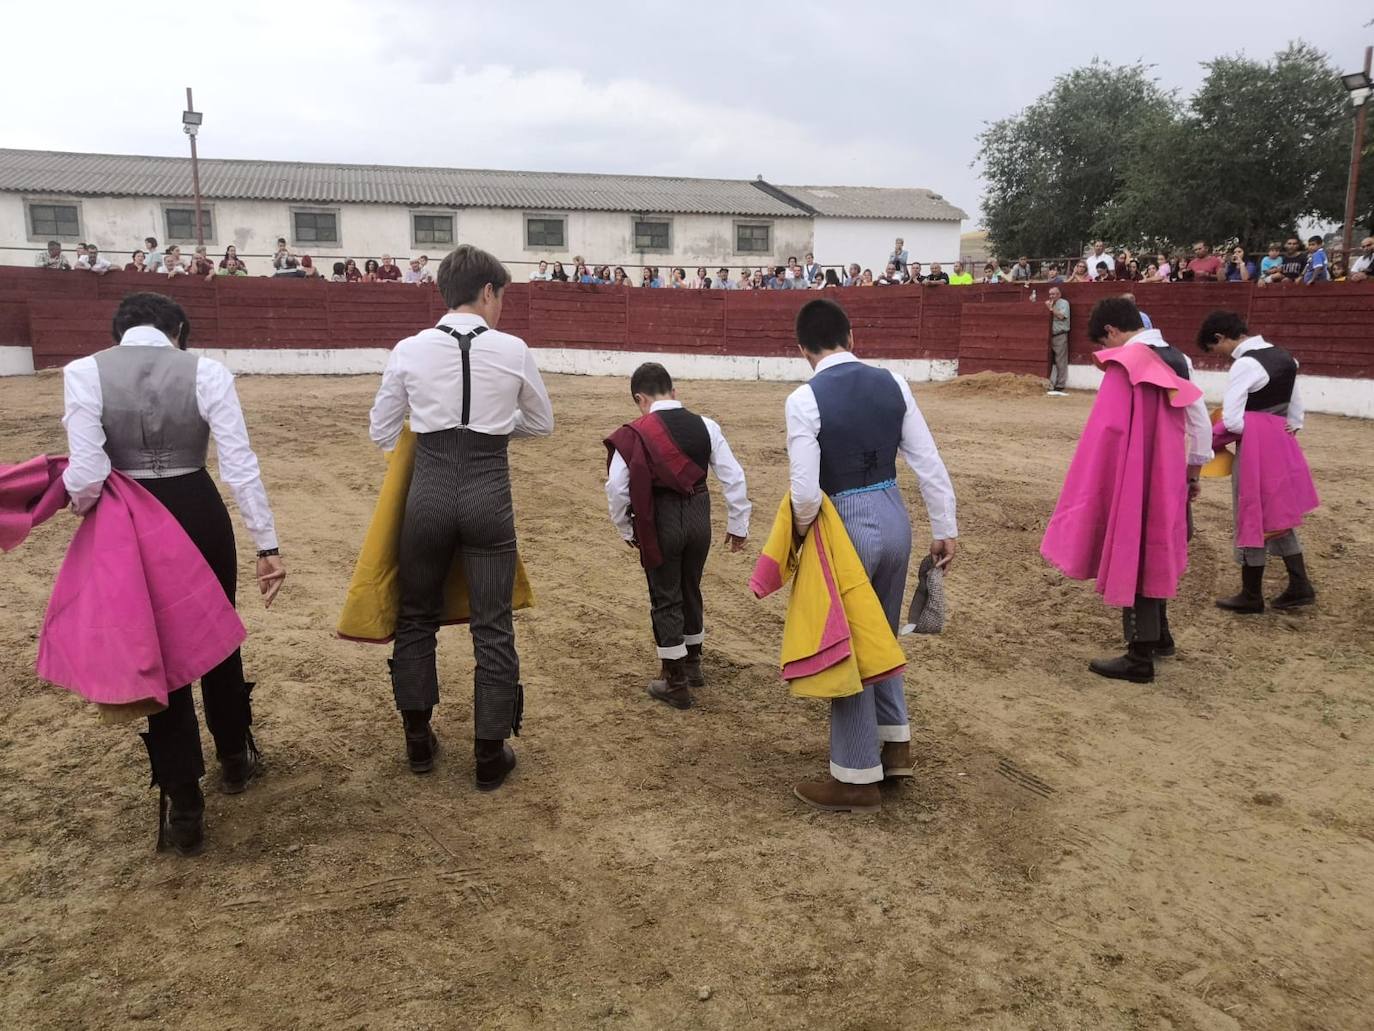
(235, 771)
(1299, 591)
(495, 760)
(181, 819)
(671, 686)
(695, 677)
(1250, 600)
(1164, 648)
(422, 744)
(1137, 665)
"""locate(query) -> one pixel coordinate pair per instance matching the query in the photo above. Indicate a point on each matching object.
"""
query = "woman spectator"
(1105, 273)
(701, 281)
(137, 262)
(831, 279)
(1163, 270)
(1131, 271)
(679, 280)
(370, 268)
(201, 265)
(1337, 267)
(867, 278)
(558, 275)
(817, 281)
(231, 257)
(1080, 273)
(1151, 274)
(311, 272)
(756, 280)
(340, 273)
(351, 273)
(581, 274)
(618, 277)
(1239, 268)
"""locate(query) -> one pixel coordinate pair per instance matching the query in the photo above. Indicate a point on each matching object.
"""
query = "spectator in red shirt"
(388, 272)
(201, 265)
(1205, 266)
(138, 264)
(351, 273)
(370, 270)
(231, 258)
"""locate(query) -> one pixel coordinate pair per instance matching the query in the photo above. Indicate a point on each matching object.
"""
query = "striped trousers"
(459, 503)
(684, 538)
(879, 527)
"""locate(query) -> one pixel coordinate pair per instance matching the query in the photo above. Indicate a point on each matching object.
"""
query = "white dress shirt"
(917, 447)
(723, 464)
(102, 265)
(424, 378)
(218, 404)
(1199, 423)
(1247, 376)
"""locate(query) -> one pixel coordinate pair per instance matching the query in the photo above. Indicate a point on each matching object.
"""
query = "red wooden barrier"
(1004, 338)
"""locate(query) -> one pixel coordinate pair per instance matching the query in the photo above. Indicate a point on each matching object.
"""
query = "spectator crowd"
(1289, 263)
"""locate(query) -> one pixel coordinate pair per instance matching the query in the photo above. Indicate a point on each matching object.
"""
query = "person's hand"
(632, 542)
(271, 575)
(1194, 489)
(943, 552)
(1292, 431)
(736, 543)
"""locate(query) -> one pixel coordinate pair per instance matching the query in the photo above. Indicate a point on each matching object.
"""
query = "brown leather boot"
(671, 685)
(897, 760)
(695, 678)
(835, 796)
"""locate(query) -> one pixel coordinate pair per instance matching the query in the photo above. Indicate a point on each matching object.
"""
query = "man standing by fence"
(1059, 343)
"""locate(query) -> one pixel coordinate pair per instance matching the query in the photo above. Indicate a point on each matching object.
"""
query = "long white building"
(364, 211)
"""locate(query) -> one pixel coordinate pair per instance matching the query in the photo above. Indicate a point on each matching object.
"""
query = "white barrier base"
(1329, 394)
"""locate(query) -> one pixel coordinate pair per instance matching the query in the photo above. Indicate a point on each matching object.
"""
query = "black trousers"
(459, 503)
(684, 538)
(173, 736)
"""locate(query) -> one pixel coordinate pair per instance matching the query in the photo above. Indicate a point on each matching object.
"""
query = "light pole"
(1359, 85)
(190, 124)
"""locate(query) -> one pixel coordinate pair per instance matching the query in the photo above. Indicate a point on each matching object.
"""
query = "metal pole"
(1356, 152)
(195, 175)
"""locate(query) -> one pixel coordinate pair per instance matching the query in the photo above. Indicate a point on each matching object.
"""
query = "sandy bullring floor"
(1197, 853)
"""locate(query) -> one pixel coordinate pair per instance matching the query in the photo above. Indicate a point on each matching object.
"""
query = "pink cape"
(136, 612)
(1122, 517)
(1274, 487)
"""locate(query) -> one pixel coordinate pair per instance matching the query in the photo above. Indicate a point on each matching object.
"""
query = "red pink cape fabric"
(1122, 517)
(136, 612)
(1274, 487)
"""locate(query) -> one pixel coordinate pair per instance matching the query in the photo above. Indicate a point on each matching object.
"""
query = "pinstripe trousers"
(878, 525)
(684, 538)
(459, 502)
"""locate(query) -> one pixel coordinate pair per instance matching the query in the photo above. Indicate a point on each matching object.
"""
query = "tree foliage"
(1258, 148)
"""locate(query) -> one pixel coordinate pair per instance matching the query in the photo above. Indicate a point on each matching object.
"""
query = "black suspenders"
(465, 345)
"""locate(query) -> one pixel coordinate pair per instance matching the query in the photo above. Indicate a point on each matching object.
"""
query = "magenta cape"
(1274, 487)
(1122, 517)
(135, 612)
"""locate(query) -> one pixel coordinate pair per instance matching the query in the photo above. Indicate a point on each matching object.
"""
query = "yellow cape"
(374, 595)
(1221, 463)
(824, 571)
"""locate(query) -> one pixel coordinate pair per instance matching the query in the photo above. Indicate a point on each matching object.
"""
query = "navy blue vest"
(1283, 374)
(1173, 358)
(862, 409)
(693, 439)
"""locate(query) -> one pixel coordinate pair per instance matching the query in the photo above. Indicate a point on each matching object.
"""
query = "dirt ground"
(1193, 854)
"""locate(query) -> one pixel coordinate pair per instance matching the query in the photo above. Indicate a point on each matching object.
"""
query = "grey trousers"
(459, 502)
(880, 529)
(1282, 546)
(1059, 368)
(684, 538)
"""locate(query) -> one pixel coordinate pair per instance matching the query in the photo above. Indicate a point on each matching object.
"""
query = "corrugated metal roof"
(129, 175)
(876, 202)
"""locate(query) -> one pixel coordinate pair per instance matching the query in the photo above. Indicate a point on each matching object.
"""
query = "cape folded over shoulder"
(136, 612)
(835, 637)
(374, 594)
(1122, 516)
(654, 460)
(1274, 487)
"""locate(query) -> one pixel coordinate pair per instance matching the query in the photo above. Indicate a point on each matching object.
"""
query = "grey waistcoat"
(153, 425)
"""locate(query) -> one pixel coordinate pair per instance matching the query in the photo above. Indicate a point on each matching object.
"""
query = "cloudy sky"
(800, 93)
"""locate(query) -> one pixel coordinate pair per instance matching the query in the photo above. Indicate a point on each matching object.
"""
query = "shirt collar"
(664, 406)
(1253, 343)
(1149, 337)
(463, 320)
(145, 336)
(840, 358)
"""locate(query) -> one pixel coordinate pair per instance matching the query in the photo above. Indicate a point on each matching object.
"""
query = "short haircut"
(652, 380)
(1315, 239)
(1116, 312)
(822, 325)
(338, 268)
(465, 271)
(1276, 246)
(150, 309)
(151, 241)
(1221, 323)
(1102, 266)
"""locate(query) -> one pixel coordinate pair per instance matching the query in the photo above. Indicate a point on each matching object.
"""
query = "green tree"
(1054, 168)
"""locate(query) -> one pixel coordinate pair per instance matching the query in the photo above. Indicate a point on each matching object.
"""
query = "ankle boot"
(1299, 591)
(834, 796)
(896, 760)
(422, 744)
(235, 771)
(695, 678)
(1250, 600)
(495, 760)
(1137, 665)
(181, 819)
(671, 685)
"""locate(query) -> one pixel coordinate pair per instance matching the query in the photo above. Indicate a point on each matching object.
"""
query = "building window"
(653, 235)
(48, 221)
(431, 229)
(753, 237)
(181, 224)
(315, 226)
(545, 232)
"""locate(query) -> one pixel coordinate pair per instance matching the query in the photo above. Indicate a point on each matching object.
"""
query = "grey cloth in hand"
(927, 612)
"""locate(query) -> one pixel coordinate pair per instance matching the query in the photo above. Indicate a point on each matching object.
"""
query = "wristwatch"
(269, 552)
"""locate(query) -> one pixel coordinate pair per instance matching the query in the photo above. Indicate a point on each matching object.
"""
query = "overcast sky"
(799, 93)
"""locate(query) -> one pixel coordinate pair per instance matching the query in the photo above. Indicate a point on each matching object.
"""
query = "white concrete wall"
(868, 241)
(117, 225)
